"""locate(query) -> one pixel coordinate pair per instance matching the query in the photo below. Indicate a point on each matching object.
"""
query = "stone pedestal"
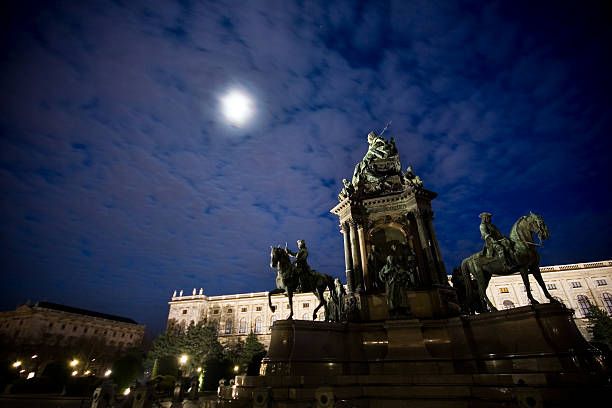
(494, 359)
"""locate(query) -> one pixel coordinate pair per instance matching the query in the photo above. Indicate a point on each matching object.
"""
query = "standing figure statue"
(335, 306)
(375, 263)
(396, 281)
(301, 262)
(495, 244)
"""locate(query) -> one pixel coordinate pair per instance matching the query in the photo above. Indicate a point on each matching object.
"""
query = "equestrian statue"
(505, 256)
(298, 277)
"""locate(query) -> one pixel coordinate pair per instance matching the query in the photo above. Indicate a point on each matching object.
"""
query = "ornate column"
(423, 219)
(347, 257)
(357, 270)
(364, 257)
(425, 241)
(435, 249)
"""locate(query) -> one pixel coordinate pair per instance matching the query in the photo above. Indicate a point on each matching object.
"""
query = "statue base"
(531, 355)
(436, 303)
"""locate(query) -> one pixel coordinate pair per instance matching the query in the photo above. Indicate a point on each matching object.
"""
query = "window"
(607, 300)
(258, 325)
(184, 311)
(229, 311)
(216, 311)
(584, 304)
(63, 326)
(305, 305)
(601, 282)
(576, 285)
(244, 309)
(504, 290)
(258, 309)
(306, 316)
(287, 307)
(551, 286)
(242, 326)
(85, 330)
(508, 304)
(50, 325)
(228, 326)
(74, 328)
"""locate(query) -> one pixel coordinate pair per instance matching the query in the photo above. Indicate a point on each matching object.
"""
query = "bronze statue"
(290, 276)
(412, 179)
(396, 280)
(495, 244)
(378, 148)
(523, 250)
(301, 261)
(335, 305)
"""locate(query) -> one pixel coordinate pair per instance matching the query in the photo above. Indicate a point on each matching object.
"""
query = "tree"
(251, 355)
(600, 326)
(127, 369)
(199, 342)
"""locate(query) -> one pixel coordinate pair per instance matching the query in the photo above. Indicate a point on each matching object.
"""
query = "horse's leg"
(290, 295)
(482, 289)
(270, 293)
(322, 302)
(538, 277)
(525, 277)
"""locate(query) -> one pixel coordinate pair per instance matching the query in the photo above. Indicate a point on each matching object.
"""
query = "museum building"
(52, 331)
(578, 286)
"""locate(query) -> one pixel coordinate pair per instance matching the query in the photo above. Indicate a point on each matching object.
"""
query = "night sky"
(121, 180)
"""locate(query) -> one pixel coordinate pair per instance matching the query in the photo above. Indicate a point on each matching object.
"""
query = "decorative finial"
(174, 294)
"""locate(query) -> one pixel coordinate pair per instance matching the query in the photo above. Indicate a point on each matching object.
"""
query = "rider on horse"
(301, 263)
(496, 245)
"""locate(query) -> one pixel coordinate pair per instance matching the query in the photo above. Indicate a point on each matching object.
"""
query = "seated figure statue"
(495, 244)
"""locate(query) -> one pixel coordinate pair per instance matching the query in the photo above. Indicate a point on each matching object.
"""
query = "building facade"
(53, 332)
(238, 315)
(576, 285)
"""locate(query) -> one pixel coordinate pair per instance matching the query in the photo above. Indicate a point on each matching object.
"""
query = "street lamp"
(17, 364)
(74, 363)
(182, 361)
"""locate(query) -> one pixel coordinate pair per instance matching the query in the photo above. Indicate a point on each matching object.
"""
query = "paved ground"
(43, 401)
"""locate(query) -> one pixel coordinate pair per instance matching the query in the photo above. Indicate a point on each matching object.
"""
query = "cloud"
(121, 182)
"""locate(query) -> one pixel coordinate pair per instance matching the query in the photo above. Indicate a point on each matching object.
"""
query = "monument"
(396, 336)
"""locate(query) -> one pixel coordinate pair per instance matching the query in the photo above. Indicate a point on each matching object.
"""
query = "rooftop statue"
(376, 171)
(412, 179)
(503, 256)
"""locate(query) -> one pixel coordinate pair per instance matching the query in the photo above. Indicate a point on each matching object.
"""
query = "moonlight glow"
(237, 107)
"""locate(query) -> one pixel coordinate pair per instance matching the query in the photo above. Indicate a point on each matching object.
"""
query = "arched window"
(272, 320)
(508, 304)
(258, 325)
(306, 316)
(229, 326)
(584, 304)
(242, 326)
(607, 301)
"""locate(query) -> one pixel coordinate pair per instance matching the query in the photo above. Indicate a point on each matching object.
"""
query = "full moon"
(237, 107)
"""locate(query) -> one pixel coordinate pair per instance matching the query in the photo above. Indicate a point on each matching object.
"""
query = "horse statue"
(482, 268)
(287, 281)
